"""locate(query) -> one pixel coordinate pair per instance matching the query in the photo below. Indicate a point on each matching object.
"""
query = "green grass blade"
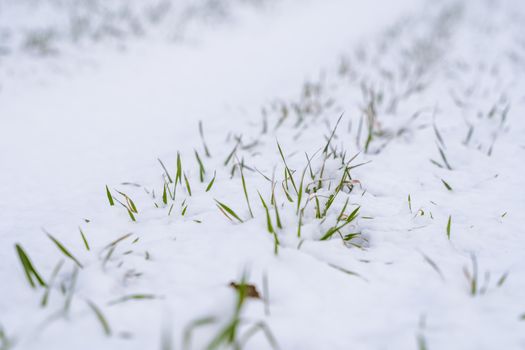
(269, 225)
(230, 156)
(336, 228)
(133, 297)
(202, 170)
(192, 326)
(64, 250)
(446, 185)
(201, 132)
(228, 210)
(130, 213)
(178, 175)
(84, 239)
(287, 169)
(300, 193)
(101, 318)
(325, 150)
(71, 290)
(246, 192)
(210, 185)
(277, 217)
(165, 171)
(110, 197)
(165, 195)
(442, 154)
(29, 268)
(449, 224)
(45, 297)
(188, 187)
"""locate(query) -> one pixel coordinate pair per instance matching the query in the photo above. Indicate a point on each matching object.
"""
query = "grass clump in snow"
(229, 334)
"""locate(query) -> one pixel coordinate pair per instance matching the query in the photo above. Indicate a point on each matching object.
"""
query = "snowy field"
(262, 174)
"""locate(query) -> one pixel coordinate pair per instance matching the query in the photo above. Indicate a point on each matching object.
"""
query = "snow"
(93, 116)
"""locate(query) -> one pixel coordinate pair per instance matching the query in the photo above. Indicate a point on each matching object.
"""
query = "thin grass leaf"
(178, 175)
(277, 217)
(502, 279)
(246, 192)
(438, 136)
(228, 210)
(227, 336)
(6, 343)
(276, 243)
(328, 204)
(130, 213)
(317, 207)
(300, 224)
(29, 268)
(325, 150)
(444, 158)
(436, 163)
(101, 318)
(47, 292)
(118, 240)
(259, 326)
(287, 169)
(188, 187)
(336, 228)
(130, 204)
(165, 195)
(110, 197)
(342, 213)
(133, 297)
(202, 170)
(71, 290)
(108, 256)
(230, 156)
(348, 272)
(434, 266)
(165, 170)
(64, 250)
(188, 331)
(210, 185)
(446, 185)
(287, 194)
(300, 193)
(449, 224)
(201, 132)
(269, 225)
(86, 244)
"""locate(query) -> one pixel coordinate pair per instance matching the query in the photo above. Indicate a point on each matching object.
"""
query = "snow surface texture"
(415, 124)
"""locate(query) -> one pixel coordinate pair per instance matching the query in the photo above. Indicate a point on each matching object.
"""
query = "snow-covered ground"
(358, 163)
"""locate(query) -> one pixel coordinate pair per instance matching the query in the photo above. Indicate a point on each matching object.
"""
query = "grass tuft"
(337, 227)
